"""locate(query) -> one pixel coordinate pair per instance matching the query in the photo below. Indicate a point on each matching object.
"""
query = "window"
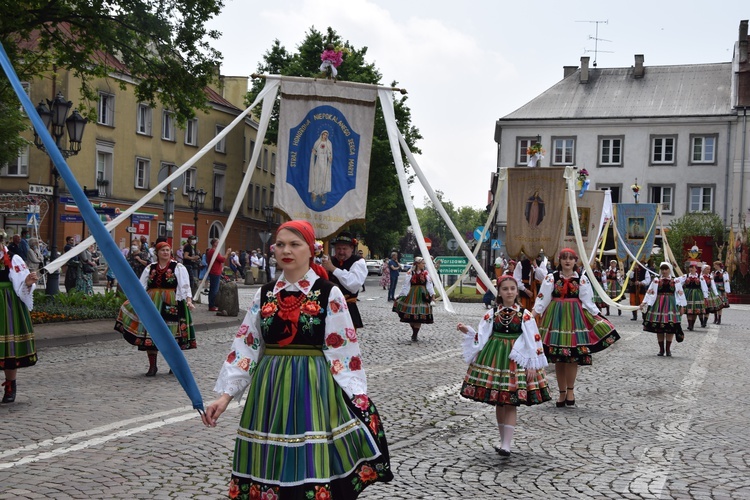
(273, 163)
(105, 154)
(265, 159)
(18, 167)
(250, 157)
(257, 198)
(144, 119)
(662, 150)
(263, 197)
(142, 172)
(701, 199)
(522, 145)
(218, 188)
(167, 126)
(610, 151)
(663, 195)
(221, 146)
(191, 132)
(616, 190)
(563, 151)
(250, 197)
(703, 149)
(189, 180)
(106, 114)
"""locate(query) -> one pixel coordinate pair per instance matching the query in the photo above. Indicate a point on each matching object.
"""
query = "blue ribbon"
(130, 283)
(584, 187)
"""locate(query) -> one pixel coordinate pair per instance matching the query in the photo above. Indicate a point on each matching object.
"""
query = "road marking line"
(92, 432)
(655, 461)
(97, 441)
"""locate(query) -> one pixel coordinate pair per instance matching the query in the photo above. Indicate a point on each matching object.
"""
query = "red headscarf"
(161, 245)
(306, 230)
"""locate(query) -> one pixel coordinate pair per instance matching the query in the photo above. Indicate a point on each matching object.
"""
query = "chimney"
(638, 70)
(743, 41)
(585, 69)
(569, 70)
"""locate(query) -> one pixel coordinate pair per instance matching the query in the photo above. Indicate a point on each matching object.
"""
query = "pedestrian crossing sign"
(496, 244)
(32, 219)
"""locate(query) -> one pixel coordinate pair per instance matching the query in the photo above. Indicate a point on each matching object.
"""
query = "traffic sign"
(478, 234)
(451, 264)
(71, 218)
(131, 229)
(452, 244)
(32, 219)
(41, 189)
(496, 244)
(428, 243)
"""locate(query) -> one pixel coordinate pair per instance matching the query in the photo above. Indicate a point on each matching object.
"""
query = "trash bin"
(249, 277)
(262, 276)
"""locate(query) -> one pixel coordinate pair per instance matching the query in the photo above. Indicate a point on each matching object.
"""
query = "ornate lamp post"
(54, 114)
(196, 198)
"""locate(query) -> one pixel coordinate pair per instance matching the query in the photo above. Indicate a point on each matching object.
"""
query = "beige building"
(131, 147)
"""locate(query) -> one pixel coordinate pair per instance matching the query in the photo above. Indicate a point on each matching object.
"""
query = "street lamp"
(268, 213)
(54, 113)
(196, 198)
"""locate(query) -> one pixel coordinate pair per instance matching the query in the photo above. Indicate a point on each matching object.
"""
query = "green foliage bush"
(75, 306)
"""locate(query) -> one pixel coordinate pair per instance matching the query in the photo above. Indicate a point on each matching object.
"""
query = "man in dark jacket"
(348, 271)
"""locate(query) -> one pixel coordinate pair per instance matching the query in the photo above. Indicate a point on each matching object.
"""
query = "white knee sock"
(507, 436)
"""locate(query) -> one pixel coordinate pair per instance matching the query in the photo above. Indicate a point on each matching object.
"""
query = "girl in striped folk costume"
(309, 429)
(571, 325)
(663, 306)
(506, 361)
(721, 278)
(17, 349)
(713, 301)
(614, 286)
(413, 303)
(696, 294)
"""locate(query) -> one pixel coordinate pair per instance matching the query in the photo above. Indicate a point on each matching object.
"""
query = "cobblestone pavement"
(88, 424)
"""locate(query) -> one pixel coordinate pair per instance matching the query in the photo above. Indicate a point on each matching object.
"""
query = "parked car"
(374, 267)
(406, 266)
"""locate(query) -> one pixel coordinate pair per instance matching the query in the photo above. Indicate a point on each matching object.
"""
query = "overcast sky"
(465, 64)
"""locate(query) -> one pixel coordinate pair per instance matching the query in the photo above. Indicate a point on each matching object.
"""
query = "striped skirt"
(713, 302)
(176, 315)
(571, 334)
(17, 349)
(300, 436)
(664, 316)
(414, 306)
(696, 303)
(495, 379)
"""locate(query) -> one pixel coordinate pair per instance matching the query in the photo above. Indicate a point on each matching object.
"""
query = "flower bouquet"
(535, 152)
(331, 58)
(582, 181)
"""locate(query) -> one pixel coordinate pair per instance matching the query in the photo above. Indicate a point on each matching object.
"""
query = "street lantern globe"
(268, 212)
(75, 125)
(201, 197)
(191, 195)
(60, 109)
(44, 113)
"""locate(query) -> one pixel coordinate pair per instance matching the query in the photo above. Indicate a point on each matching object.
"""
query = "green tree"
(164, 46)
(386, 217)
(465, 218)
(693, 224)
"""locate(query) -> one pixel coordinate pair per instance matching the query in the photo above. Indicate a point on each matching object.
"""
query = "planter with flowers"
(636, 190)
(582, 181)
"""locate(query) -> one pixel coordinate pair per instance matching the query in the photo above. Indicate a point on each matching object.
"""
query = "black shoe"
(669, 354)
(560, 404)
(414, 337)
(152, 371)
(10, 391)
(660, 354)
(502, 452)
(619, 312)
(570, 402)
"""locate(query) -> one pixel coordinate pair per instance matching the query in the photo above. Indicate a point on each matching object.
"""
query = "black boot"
(669, 344)
(10, 391)
(619, 312)
(635, 316)
(718, 321)
(152, 369)
(661, 348)
(415, 331)
(704, 320)
(691, 323)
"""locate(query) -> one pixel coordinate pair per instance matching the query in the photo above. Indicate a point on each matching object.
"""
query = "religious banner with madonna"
(635, 223)
(535, 210)
(325, 138)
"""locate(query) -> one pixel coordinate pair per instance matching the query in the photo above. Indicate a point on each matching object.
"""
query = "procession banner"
(325, 137)
(535, 210)
(635, 223)
(590, 207)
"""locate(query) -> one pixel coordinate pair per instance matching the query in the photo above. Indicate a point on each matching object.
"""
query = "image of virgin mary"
(534, 211)
(321, 162)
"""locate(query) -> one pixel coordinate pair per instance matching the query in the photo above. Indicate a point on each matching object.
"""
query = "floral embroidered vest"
(419, 278)
(719, 280)
(666, 286)
(692, 281)
(507, 320)
(565, 288)
(311, 325)
(166, 278)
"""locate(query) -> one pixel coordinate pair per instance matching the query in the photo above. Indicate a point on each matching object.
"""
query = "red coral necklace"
(289, 311)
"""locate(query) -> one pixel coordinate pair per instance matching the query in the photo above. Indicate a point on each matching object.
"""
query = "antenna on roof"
(596, 39)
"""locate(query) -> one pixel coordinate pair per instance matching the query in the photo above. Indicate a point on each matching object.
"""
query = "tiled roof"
(664, 91)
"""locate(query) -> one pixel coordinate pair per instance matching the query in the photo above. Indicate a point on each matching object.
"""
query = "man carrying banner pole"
(347, 271)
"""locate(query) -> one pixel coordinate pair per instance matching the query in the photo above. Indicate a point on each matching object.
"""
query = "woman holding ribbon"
(308, 428)
(571, 325)
(167, 282)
